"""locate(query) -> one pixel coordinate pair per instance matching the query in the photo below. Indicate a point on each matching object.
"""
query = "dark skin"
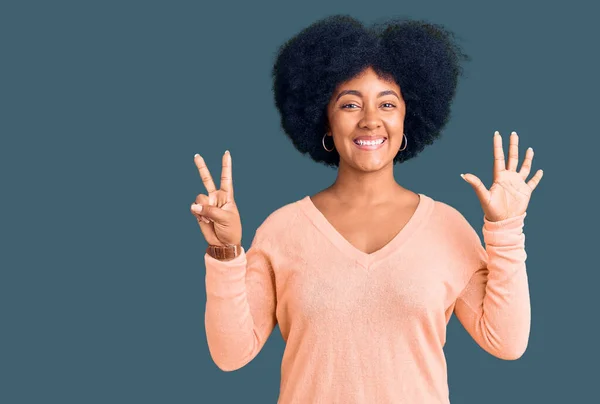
(365, 203)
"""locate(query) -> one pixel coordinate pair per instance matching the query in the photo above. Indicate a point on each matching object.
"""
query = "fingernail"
(197, 208)
(196, 155)
(226, 151)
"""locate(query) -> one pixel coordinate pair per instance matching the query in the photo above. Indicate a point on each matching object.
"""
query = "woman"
(362, 277)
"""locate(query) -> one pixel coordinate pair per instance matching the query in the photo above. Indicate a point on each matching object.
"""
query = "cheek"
(395, 126)
(396, 139)
(346, 123)
(397, 120)
(396, 129)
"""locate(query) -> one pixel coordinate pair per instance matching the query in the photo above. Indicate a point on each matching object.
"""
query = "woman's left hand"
(509, 194)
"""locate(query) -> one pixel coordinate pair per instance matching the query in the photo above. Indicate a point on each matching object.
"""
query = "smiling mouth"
(370, 145)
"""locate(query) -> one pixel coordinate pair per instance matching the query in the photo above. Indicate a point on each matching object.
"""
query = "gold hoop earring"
(324, 143)
(405, 143)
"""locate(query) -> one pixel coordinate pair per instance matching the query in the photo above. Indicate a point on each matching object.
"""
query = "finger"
(513, 152)
(535, 180)
(201, 199)
(196, 209)
(204, 174)
(499, 163)
(482, 192)
(526, 166)
(214, 213)
(226, 178)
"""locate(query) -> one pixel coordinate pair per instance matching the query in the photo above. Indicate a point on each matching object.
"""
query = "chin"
(370, 166)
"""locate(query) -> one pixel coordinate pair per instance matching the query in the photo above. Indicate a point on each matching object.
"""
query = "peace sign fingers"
(226, 186)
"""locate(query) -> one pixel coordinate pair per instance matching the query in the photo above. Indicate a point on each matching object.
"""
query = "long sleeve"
(240, 304)
(494, 307)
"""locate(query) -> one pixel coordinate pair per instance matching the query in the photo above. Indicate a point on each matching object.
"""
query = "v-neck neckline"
(366, 260)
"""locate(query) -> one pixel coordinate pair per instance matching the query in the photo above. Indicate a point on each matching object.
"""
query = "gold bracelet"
(224, 253)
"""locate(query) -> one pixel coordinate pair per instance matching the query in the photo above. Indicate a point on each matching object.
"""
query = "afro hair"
(421, 57)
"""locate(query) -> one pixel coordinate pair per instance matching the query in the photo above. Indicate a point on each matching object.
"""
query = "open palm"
(509, 194)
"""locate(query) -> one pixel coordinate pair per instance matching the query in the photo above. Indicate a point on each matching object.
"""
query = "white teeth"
(369, 142)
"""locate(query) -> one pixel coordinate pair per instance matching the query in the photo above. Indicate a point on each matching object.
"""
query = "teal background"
(104, 104)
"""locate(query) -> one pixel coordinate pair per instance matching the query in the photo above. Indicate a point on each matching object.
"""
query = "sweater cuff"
(225, 278)
(504, 232)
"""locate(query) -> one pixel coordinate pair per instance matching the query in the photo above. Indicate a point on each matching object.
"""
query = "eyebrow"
(355, 92)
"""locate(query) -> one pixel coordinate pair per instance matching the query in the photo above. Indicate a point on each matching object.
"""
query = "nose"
(370, 118)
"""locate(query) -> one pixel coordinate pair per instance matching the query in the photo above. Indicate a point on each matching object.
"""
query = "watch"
(224, 252)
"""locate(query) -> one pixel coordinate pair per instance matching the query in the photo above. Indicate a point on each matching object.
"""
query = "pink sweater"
(368, 328)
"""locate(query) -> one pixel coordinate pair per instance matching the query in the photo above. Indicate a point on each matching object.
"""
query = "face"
(366, 107)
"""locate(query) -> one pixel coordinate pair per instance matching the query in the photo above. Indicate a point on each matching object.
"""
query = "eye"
(386, 103)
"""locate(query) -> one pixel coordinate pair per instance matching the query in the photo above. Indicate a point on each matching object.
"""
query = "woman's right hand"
(218, 217)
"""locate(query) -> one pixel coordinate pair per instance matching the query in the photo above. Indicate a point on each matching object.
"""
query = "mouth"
(369, 144)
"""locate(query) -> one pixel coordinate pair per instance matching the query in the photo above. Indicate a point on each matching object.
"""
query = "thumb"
(480, 189)
(212, 212)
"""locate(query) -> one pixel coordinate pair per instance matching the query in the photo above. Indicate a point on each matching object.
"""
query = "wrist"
(224, 252)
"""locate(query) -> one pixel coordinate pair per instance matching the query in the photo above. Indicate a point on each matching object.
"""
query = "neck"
(365, 188)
